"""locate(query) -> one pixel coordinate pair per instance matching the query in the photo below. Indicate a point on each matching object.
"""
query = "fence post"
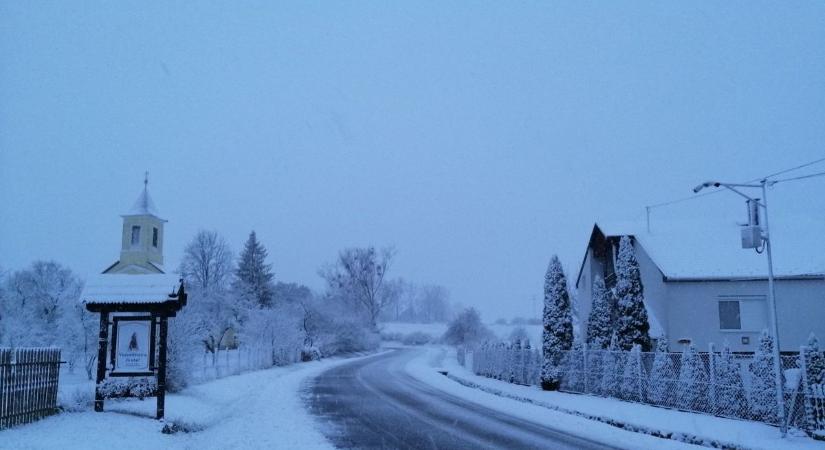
(712, 378)
(641, 382)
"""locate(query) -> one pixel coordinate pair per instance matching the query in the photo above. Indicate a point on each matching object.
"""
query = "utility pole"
(766, 239)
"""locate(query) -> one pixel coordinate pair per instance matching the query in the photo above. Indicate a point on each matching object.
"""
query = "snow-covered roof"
(122, 288)
(143, 205)
(704, 250)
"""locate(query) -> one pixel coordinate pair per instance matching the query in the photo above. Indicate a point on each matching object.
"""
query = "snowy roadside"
(261, 409)
(678, 425)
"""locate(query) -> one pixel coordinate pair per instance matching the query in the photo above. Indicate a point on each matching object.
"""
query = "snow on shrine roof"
(705, 250)
(120, 288)
(143, 205)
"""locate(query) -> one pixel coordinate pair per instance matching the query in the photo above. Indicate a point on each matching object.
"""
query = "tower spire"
(145, 180)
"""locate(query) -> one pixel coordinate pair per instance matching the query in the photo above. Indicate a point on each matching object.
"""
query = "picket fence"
(28, 384)
(630, 377)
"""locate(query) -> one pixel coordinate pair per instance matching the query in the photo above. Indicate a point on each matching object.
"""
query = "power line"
(801, 177)
(694, 197)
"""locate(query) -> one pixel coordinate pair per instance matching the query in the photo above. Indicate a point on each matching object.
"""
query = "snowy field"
(502, 331)
(261, 409)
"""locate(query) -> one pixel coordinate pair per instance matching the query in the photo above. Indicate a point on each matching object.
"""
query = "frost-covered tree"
(36, 300)
(557, 324)
(215, 310)
(814, 361)
(632, 381)
(466, 329)
(600, 320)
(693, 381)
(207, 263)
(763, 385)
(662, 385)
(253, 276)
(730, 399)
(632, 326)
(359, 278)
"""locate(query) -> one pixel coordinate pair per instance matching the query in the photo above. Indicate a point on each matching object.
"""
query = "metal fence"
(28, 384)
(725, 385)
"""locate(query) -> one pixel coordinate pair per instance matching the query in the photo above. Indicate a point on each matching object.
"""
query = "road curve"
(373, 403)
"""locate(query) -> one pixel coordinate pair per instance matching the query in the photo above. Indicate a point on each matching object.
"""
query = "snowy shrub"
(814, 361)
(78, 399)
(632, 326)
(662, 383)
(730, 399)
(610, 365)
(182, 344)
(763, 385)
(693, 381)
(140, 387)
(310, 354)
(558, 324)
(632, 382)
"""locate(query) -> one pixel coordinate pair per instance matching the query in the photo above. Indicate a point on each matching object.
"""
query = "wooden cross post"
(102, 343)
(164, 324)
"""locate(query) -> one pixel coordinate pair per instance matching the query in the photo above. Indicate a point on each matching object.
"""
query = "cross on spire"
(145, 179)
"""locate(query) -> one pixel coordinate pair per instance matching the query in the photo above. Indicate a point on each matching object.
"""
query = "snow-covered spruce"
(730, 396)
(632, 325)
(662, 384)
(600, 320)
(693, 381)
(253, 276)
(763, 385)
(558, 324)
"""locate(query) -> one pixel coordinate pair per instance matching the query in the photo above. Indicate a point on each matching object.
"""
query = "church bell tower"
(141, 249)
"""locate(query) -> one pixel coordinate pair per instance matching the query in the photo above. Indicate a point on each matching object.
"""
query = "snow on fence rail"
(721, 384)
(28, 384)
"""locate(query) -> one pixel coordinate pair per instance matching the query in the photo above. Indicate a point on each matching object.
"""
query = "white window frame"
(753, 313)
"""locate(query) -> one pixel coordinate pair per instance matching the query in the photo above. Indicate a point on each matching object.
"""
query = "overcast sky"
(477, 138)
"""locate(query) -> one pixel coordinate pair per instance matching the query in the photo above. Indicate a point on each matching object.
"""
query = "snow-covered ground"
(261, 409)
(545, 408)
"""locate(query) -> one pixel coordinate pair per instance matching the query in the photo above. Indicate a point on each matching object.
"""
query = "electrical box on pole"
(752, 232)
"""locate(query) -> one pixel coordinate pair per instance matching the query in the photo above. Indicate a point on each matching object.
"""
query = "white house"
(700, 286)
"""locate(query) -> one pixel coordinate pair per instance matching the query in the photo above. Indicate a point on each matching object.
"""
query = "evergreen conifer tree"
(814, 361)
(632, 325)
(610, 369)
(693, 381)
(600, 319)
(558, 324)
(254, 275)
(730, 398)
(662, 376)
(632, 376)
(763, 385)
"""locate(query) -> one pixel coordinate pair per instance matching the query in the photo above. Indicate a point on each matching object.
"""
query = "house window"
(154, 237)
(747, 313)
(135, 235)
(729, 317)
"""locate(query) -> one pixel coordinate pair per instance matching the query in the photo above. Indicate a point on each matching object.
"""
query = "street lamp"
(753, 224)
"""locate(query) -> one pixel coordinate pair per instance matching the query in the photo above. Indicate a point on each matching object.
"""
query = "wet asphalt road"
(373, 403)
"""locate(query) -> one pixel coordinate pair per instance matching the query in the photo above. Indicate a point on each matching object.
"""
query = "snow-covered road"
(375, 403)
